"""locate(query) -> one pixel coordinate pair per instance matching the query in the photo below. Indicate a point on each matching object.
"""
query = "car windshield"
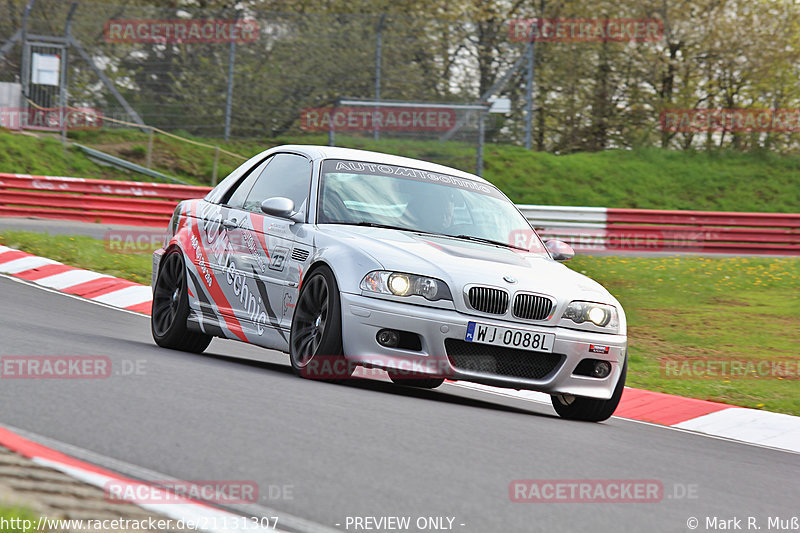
(360, 193)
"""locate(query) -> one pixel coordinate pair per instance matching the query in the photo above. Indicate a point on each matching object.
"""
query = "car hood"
(461, 263)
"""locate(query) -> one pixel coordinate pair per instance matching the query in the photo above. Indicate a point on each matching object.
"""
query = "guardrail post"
(216, 162)
(149, 159)
(229, 95)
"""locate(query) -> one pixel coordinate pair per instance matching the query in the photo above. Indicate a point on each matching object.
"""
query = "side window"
(224, 189)
(238, 194)
(287, 175)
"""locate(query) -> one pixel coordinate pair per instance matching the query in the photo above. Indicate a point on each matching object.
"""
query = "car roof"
(334, 152)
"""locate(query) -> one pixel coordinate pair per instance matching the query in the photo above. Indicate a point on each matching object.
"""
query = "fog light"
(389, 338)
(601, 369)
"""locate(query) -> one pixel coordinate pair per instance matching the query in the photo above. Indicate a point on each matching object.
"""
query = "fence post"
(229, 99)
(64, 73)
(529, 98)
(331, 134)
(149, 158)
(378, 55)
(216, 162)
(25, 56)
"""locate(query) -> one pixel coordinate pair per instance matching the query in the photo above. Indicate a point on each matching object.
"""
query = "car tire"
(315, 342)
(590, 409)
(171, 308)
(420, 383)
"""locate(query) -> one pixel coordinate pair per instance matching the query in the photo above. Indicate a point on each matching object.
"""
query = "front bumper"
(363, 317)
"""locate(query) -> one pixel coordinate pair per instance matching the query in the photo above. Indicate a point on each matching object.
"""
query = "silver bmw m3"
(344, 258)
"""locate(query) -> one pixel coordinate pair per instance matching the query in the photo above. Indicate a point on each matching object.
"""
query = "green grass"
(26, 154)
(709, 310)
(83, 252)
(12, 518)
(681, 308)
(646, 178)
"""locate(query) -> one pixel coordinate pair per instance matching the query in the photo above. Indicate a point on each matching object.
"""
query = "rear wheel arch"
(170, 307)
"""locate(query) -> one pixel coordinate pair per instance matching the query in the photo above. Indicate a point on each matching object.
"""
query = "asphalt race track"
(367, 448)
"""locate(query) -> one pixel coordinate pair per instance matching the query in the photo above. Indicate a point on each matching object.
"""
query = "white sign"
(46, 69)
(500, 104)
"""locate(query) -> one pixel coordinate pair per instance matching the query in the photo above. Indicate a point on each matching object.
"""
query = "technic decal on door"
(217, 264)
(273, 319)
(235, 269)
(199, 262)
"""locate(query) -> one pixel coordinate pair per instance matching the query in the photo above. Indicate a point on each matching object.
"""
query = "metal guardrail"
(125, 165)
(585, 228)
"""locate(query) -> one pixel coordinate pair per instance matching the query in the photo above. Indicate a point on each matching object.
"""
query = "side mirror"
(560, 250)
(279, 206)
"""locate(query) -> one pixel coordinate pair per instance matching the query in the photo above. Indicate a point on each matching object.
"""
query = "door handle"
(230, 223)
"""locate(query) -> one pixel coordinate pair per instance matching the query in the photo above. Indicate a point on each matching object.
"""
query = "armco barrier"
(607, 229)
(586, 228)
(86, 200)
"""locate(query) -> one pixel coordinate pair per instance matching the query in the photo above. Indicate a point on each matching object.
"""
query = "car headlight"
(402, 284)
(600, 315)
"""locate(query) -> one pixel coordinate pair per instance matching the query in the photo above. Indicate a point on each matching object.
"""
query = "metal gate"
(44, 69)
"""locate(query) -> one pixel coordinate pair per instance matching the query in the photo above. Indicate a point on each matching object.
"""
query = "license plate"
(522, 339)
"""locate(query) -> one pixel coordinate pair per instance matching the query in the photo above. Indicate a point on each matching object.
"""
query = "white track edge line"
(74, 296)
(662, 426)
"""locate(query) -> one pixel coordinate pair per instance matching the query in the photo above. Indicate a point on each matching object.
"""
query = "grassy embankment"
(646, 178)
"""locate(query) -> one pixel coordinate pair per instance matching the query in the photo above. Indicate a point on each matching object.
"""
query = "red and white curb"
(199, 516)
(751, 426)
(100, 288)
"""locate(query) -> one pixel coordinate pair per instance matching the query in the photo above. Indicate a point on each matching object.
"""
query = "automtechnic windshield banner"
(337, 166)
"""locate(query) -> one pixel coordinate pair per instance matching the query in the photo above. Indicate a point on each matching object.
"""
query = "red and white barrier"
(645, 230)
(85, 200)
(585, 228)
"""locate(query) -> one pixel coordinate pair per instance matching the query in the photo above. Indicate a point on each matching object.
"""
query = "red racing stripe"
(258, 229)
(217, 296)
